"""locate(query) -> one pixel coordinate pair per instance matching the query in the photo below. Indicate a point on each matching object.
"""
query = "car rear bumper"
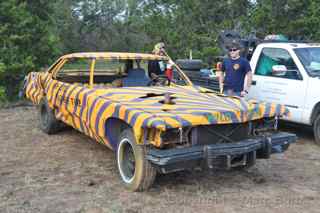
(226, 155)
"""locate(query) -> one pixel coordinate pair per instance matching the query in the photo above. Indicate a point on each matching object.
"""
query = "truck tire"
(48, 122)
(316, 129)
(135, 170)
(190, 65)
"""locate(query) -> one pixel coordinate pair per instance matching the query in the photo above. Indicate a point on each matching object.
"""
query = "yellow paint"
(93, 62)
(211, 108)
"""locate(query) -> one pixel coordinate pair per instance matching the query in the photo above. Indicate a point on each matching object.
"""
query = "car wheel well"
(113, 129)
(315, 112)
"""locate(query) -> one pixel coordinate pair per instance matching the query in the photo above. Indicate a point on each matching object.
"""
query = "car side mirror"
(279, 70)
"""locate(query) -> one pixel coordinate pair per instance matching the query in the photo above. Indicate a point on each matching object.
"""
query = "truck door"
(287, 88)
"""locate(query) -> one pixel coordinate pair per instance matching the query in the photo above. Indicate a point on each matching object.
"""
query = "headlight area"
(264, 126)
(210, 134)
(169, 138)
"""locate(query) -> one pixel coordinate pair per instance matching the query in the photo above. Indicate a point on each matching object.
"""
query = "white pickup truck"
(289, 74)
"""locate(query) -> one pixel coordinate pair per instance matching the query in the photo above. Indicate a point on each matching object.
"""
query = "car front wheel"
(48, 122)
(135, 170)
(316, 130)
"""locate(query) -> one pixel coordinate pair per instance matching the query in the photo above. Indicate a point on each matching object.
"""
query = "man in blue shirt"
(235, 76)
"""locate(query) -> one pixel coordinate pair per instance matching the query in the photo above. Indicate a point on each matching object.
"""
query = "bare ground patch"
(68, 172)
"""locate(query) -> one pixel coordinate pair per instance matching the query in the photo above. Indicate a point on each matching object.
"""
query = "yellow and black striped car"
(155, 124)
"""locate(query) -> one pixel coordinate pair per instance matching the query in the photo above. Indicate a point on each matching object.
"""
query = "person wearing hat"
(235, 75)
(156, 68)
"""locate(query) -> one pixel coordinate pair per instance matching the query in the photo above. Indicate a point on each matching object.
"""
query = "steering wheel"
(160, 80)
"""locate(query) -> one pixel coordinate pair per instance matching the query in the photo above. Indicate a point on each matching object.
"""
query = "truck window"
(277, 56)
(310, 58)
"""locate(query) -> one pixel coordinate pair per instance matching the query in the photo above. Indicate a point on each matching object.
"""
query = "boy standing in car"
(235, 76)
(156, 68)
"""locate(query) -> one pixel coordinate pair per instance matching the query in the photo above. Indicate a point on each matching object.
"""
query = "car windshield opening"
(310, 58)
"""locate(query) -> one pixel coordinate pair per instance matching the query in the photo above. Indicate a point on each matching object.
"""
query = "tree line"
(33, 33)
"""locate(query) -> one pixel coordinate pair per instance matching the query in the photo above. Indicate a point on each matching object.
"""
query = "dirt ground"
(68, 172)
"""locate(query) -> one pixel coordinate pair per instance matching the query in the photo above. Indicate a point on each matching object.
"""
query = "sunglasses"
(233, 49)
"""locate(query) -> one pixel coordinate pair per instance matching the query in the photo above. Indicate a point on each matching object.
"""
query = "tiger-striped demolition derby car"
(154, 124)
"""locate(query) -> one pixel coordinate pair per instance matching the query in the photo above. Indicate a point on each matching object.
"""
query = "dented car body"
(153, 125)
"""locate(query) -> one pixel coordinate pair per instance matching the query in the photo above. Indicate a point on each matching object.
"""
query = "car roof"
(115, 56)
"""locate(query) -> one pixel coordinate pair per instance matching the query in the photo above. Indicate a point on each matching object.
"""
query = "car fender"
(34, 86)
(312, 104)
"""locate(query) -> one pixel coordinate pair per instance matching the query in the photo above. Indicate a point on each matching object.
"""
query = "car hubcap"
(126, 161)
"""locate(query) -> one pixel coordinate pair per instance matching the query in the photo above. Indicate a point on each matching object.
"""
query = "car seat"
(136, 78)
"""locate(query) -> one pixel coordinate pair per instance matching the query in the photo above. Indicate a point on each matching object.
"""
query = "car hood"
(189, 106)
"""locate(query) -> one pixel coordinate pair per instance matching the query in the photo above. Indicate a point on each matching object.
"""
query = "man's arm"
(221, 80)
(248, 81)
(247, 84)
(220, 74)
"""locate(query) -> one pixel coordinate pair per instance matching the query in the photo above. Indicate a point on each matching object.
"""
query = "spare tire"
(190, 64)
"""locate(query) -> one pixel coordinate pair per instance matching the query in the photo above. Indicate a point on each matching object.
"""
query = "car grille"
(221, 133)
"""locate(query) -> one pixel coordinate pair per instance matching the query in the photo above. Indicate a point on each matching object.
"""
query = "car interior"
(125, 73)
(114, 73)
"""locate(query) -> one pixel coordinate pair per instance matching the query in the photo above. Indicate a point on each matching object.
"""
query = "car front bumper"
(224, 155)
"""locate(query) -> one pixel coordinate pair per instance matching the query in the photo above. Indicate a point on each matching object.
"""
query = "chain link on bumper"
(224, 155)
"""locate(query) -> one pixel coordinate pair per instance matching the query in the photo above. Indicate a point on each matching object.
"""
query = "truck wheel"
(316, 130)
(48, 122)
(135, 170)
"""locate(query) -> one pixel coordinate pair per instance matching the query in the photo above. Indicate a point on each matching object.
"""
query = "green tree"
(193, 25)
(296, 19)
(27, 41)
(35, 32)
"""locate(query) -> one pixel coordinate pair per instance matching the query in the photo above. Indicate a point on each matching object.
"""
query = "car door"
(72, 80)
(287, 88)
